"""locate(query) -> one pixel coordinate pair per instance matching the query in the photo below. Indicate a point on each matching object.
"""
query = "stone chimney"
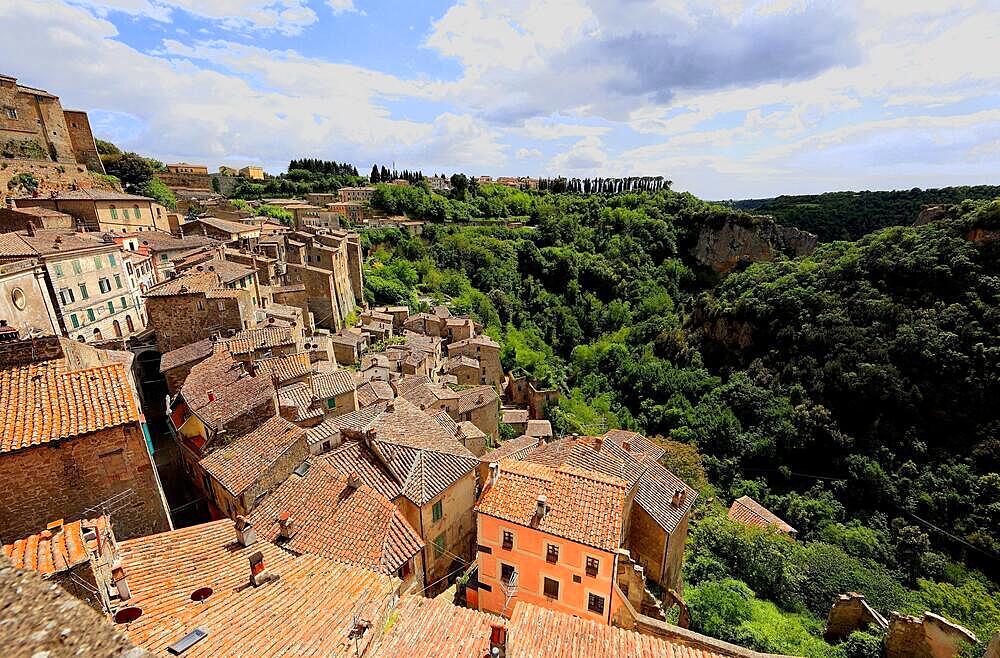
(245, 533)
(541, 507)
(498, 640)
(627, 445)
(286, 526)
(680, 495)
(120, 581)
(353, 481)
(211, 395)
(258, 574)
(494, 473)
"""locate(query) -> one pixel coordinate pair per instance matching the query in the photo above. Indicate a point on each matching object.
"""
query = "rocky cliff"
(51, 177)
(722, 245)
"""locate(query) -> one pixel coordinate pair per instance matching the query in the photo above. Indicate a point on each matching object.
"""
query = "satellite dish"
(128, 615)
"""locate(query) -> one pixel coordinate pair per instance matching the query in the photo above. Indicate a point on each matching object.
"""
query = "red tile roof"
(299, 396)
(536, 632)
(514, 449)
(235, 391)
(748, 511)
(190, 283)
(242, 462)
(55, 550)
(584, 506)
(354, 457)
(374, 391)
(476, 397)
(186, 354)
(307, 611)
(359, 526)
(263, 338)
(334, 383)
(637, 443)
(46, 401)
(284, 369)
(432, 628)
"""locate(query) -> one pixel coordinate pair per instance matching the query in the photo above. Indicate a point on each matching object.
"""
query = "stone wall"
(180, 320)
(66, 479)
(52, 177)
(930, 636)
(82, 139)
(849, 613)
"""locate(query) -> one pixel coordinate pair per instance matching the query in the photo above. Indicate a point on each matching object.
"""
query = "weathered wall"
(930, 636)
(38, 314)
(647, 543)
(180, 320)
(82, 140)
(63, 479)
(456, 524)
(52, 177)
(722, 246)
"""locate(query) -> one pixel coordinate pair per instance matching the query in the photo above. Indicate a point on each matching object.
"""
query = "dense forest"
(849, 391)
(850, 215)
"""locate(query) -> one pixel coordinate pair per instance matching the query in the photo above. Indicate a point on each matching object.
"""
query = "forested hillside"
(850, 391)
(850, 215)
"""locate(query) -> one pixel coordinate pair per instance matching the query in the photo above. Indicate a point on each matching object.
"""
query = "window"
(552, 554)
(83, 291)
(406, 569)
(118, 280)
(551, 588)
(125, 213)
(506, 572)
(222, 306)
(595, 603)
(508, 540)
(98, 262)
(114, 213)
(74, 321)
(593, 566)
(331, 403)
(18, 299)
(201, 305)
(437, 511)
(124, 301)
(138, 215)
(163, 257)
(58, 268)
(111, 307)
(439, 545)
(111, 260)
(66, 295)
(90, 314)
(76, 267)
(104, 285)
(10, 112)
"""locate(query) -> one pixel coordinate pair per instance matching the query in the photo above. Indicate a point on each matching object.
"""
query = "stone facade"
(929, 636)
(72, 478)
(100, 210)
(25, 303)
(35, 117)
(51, 177)
(187, 318)
(523, 392)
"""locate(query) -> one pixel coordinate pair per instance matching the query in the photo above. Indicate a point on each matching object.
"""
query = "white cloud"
(287, 17)
(341, 6)
(528, 154)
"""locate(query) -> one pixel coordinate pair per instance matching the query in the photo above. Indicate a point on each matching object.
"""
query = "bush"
(860, 644)
(720, 607)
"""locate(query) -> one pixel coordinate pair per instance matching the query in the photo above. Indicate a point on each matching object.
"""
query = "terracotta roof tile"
(242, 462)
(308, 610)
(515, 449)
(476, 397)
(286, 368)
(514, 416)
(223, 225)
(354, 457)
(584, 506)
(537, 632)
(748, 511)
(186, 354)
(55, 550)
(355, 525)
(45, 401)
(262, 338)
(300, 396)
(374, 391)
(190, 283)
(637, 443)
(481, 341)
(432, 628)
(235, 391)
(334, 383)
(540, 428)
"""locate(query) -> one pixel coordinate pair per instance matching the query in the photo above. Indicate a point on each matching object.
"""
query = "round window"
(17, 296)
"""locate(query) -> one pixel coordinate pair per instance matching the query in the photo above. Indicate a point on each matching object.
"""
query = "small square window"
(595, 603)
(552, 554)
(593, 566)
(506, 572)
(10, 112)
(551, 588)
(331, 403)
(437, 511)
(508, 540)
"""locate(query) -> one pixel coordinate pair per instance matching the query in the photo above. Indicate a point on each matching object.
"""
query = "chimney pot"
(258, 575)
(498, 640)
(211, 396)
(494, 472)
(353, 481)
(245, 533)
(541, 506)
(120, 581)
(286, 526)
(627, 446)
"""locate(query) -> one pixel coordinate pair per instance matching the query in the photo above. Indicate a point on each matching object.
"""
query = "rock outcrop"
(723, 246)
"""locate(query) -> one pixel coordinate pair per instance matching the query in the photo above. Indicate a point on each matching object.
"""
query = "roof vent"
(245, 534)
(627, 446)
(541, 507)
(200, 268)
(302, 469)
(188, 641)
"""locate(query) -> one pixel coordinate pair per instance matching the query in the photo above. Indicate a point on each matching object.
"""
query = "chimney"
(541, 507)
(251, 368)
(121, 583)
(245, 534)
(258, 575)
(598, 443)
(353, 481)
(390, 405)
(211, 395)
(286, 526)
(498, 640)
(680, 495)
(627, 446)
(494, 472)
(480, 399)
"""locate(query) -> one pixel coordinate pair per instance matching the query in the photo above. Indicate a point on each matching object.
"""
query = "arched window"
(98, 335)
(118, 328)
(128, 321)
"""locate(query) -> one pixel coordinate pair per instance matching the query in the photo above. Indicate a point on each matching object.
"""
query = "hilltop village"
(214, 443)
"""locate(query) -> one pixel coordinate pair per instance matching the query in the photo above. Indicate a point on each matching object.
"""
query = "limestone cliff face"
(723, 245)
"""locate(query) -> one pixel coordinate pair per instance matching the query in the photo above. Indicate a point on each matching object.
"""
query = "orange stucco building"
(551, 537)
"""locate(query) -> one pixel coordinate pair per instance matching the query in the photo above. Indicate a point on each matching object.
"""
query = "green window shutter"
(124, 302)
(111, 306)
(98, 263)
(76, 267)
(90, 314)
(74, 321)
(83, 291)
(118, 280)
(331, 403)
(111, 259)
(58, 269)
(437, 511)
(114, 214)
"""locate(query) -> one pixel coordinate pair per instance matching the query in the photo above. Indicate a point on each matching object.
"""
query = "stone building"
(104, 210)
(222, 230)
(196, 306)
(86, 279)
(73, 441)
(399, 450)
(167, 250)
(34, 123)
(23, 219)
(523, 391)
(356, 212)
(253, 172)
(186, 168)
(329, 266)
(359, 194)
(485, 350)
(25, 303)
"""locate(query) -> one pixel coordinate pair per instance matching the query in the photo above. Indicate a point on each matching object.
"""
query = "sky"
(727, 98)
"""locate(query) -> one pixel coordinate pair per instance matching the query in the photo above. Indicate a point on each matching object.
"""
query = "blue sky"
(729, 99)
